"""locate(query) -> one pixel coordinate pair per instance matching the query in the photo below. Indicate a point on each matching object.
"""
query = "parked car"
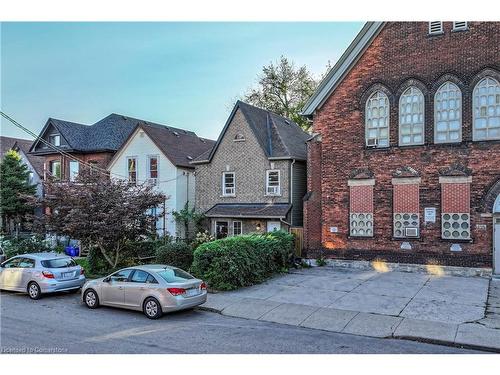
(41, 273)
(152, 289)
(2, 255)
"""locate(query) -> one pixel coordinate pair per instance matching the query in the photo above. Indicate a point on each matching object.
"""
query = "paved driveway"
(447, 299)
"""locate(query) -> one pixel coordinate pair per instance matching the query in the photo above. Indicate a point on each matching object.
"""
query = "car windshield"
(58, 263)
(174, 275)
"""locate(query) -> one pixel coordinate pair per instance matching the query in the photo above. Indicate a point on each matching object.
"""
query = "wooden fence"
(298, 232)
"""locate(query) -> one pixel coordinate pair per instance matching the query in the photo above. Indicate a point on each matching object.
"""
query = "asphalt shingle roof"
(7, 143)
(180, 146)
(278, 136)
(253, 210)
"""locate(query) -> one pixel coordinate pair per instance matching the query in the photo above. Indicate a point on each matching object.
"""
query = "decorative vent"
(405, 221)
(436, 27)
(456, 226)
(460, 25)
(361, 225)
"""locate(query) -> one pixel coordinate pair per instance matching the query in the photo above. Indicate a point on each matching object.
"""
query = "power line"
(68, 155)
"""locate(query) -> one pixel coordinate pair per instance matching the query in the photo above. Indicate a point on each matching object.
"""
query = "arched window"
(448, 114)
(486, 103)
(377, 120)
(411, 117)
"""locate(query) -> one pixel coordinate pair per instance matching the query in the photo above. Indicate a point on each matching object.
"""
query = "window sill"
(432, 35)
(359, 237)
(273, 195)
(227, 196)
(450, 240)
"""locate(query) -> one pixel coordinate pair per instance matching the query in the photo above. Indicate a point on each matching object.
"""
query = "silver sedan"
(152, 289)
(41, 273)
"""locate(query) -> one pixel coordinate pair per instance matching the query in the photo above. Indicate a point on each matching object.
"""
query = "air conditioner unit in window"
(372, 142)
(411, 232)
(274, 190)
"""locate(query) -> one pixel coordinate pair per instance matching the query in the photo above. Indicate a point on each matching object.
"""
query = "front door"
(496, 245)
(273, 226)
(221, 229)
(113, 291)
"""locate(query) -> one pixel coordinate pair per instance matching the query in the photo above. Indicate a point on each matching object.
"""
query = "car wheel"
(91, 299)
(152, 308)
(34, 291)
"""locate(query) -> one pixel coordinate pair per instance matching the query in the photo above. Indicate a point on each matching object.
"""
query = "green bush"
(15, 246)
(178, 254)
(241, 261)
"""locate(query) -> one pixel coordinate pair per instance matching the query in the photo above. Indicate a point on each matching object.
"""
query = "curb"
(409, 338)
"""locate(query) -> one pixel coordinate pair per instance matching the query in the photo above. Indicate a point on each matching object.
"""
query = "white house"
(161, 155)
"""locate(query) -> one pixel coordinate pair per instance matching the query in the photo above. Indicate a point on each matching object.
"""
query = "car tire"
(91, 299)
(34, 291)
(152, 308)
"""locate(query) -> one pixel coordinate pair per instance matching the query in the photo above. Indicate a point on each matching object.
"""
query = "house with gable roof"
(254, 178)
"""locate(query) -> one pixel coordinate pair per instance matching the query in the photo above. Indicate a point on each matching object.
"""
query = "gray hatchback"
(41, 273)
(153, 289)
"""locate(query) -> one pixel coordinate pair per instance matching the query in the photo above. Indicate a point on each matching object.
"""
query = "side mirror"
(2, 265)
(107, 279)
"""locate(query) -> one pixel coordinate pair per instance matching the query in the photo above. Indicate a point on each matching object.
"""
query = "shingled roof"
(178, 145)
(251, 210)
(9, 143)
(279, 137)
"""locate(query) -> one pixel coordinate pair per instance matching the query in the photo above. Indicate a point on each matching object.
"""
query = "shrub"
(178, 254)
(240, 261)
(202, 237)
(15, 246)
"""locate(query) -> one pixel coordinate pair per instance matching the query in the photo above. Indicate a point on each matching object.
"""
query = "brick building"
(404, 161)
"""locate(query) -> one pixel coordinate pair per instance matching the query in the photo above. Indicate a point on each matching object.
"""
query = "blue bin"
(72, 251)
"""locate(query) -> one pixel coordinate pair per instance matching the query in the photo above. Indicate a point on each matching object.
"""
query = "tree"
(15, 189)
(104, 214)
(284, 89)
(188, 216)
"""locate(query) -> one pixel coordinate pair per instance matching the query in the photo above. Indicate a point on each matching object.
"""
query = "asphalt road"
(61, 324)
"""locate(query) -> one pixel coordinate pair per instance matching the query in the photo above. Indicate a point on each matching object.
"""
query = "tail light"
(203, 286)
(82, 271)
(176, 291)
(48, 275)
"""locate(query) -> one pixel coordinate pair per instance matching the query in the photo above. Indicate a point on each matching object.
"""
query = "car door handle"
(120, 287)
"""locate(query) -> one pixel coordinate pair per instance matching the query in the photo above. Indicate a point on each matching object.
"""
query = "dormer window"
(460, 25)
(55, 139)
(436, 27)
(239, 137)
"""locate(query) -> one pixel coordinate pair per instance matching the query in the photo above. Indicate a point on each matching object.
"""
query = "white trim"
(348, 59)
(455, 179)
(406, 180)
(241, 227)
(448, 121)
(224, 194)
(136, 169)
(148, 168)
(361, 182)
(267, 182)
(433, 28)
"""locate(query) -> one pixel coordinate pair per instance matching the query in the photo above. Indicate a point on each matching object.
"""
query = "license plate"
(67, 275)
(192, 292)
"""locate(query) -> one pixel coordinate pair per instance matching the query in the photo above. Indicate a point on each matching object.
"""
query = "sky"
(186, 75)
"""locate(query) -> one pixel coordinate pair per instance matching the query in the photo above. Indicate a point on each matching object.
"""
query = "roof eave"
(342, 67)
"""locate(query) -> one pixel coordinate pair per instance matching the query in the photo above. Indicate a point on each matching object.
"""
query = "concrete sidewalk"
(442, 309)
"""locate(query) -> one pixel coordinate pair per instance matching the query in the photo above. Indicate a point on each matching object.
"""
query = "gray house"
(254, 178)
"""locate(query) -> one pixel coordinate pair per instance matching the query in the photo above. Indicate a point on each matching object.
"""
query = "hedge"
(240, 261)
(178, 254)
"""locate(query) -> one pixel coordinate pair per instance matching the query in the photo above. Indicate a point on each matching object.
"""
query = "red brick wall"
(312, 201)
(403, 52)
(406, 198)
(361, 199)
(455, 197)
(102, 160)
